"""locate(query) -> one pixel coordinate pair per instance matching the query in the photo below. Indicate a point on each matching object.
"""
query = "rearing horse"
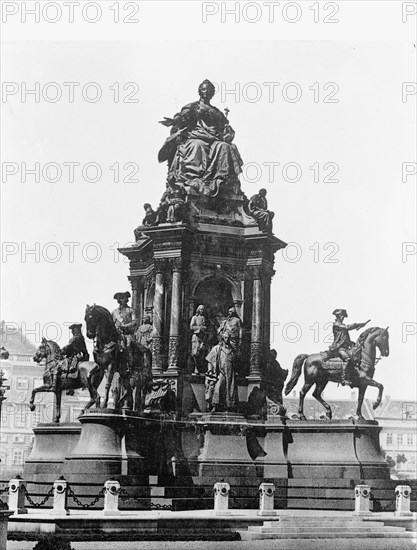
(320, 373)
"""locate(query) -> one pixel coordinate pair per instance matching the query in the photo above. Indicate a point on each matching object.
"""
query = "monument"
(193, 390)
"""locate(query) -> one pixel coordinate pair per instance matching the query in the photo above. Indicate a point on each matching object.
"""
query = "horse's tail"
(296, 371)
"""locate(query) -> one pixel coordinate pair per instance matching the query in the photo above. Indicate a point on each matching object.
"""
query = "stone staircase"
(321, 527)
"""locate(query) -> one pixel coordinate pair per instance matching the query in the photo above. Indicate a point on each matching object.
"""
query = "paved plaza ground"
(293, 544)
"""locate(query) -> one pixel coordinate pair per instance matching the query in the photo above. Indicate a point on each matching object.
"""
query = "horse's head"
(91, 321)
(382, 341)
(99, 323)
(46, 349)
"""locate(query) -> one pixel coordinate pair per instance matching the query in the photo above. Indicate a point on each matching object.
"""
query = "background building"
(22, 374)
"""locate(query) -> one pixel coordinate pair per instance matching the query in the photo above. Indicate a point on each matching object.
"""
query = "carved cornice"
(175, 264)
(161, 265)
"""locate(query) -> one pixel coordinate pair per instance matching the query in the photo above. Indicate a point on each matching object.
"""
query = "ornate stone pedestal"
(224, 452)
(53, 442)
(98, 451)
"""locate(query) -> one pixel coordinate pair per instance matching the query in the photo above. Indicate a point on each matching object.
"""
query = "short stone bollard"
(266, 500)
(111, 498)
(60, 498)
(362, 499)
(403, 500)
(17, 496)
(221, 498)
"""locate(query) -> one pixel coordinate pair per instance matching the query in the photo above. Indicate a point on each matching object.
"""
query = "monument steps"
(319, 527)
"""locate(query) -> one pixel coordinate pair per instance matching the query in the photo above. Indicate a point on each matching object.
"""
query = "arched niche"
(217, 293)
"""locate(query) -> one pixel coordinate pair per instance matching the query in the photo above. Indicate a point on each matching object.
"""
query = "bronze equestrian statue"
(320, 372)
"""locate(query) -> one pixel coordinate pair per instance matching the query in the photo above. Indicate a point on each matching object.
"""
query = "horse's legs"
(44, 388)
(317, 395)
(361, 394)
(109, 380)
(95, 381)
(91, 390)
(58, 394)
(371, 382)
(304, 390)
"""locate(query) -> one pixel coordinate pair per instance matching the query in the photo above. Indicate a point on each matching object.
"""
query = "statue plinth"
(98, 450)
(52, 443)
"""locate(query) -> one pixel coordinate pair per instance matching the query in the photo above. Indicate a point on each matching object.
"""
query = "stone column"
(136, 297)
(158, 317)
(176, 310)
(267, 309)
(256, 346)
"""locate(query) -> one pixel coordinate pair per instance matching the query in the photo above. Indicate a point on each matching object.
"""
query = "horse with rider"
(345, 363)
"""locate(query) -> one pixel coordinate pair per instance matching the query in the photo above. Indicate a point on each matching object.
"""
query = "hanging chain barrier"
(144, 502)
(71, 494)
(49, 494)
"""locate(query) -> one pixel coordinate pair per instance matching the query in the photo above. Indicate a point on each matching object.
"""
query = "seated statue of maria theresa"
(199, 151)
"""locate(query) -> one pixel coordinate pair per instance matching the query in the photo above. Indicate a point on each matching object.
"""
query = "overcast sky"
(332, 108)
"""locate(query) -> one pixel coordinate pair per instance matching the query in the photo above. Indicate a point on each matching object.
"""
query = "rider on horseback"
(342, 343)
(75, 351)
(124, 318)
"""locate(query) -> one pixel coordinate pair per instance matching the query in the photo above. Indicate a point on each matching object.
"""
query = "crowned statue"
(199, 151)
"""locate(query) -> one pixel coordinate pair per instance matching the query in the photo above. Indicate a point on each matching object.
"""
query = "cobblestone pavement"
(292, 544)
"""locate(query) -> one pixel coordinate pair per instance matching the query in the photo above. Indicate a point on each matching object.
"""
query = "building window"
(17, 457)
(410, 439)
(5, 420)
(3, 456)
(3, 438)
(18, 438)
(37, 415)
(389, 439)
(399, 439)
(20, 418)
(22, 383)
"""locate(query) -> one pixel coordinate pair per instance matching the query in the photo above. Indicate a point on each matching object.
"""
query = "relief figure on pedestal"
(221, 386)
(143, 335)
(258, 209)
(231, 329)
(274, 377)
(199, 328)
(199, 151)
(150, 215)
(172, 207)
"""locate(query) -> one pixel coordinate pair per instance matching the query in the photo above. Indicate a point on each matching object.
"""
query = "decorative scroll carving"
(173, 352)
(256, 349)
